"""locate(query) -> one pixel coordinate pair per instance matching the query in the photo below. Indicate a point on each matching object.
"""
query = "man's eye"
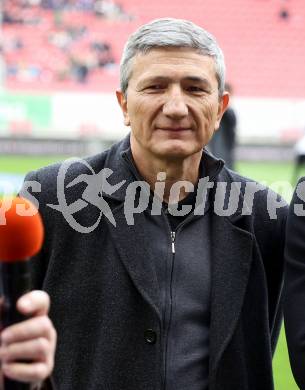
(155, 87)
(195, 89)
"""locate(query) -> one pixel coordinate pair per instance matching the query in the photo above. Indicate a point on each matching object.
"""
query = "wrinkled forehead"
(171, 52)
(160, 59)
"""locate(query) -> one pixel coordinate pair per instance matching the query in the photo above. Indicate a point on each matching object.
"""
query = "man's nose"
(174, 106)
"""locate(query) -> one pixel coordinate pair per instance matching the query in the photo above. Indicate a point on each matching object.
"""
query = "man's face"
(172, 103)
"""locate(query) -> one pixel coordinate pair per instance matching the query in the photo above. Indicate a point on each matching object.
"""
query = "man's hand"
(27, 348)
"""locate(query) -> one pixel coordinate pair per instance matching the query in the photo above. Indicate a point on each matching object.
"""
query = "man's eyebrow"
(155, 79)
(198, 80)
(165, 79)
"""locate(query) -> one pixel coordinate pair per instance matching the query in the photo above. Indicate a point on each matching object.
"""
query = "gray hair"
(169, 32)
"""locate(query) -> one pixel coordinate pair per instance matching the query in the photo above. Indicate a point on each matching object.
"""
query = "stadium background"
(59, 69)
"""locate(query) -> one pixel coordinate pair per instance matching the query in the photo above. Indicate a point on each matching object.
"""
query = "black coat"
(294, 307)
(104, 290)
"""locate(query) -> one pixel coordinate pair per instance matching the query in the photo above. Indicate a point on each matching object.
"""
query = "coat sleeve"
(294, 287)
(37, 265)
(275, 276)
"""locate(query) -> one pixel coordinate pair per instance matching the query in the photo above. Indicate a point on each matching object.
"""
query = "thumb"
(34, 303)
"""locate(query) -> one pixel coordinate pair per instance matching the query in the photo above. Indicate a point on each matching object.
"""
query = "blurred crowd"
(45, 40)
(20, 11)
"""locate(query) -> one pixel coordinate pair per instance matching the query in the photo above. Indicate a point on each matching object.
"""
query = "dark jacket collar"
(119, 160)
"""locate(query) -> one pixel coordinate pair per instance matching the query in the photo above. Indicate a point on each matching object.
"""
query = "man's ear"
(222, 106)
(123, 104)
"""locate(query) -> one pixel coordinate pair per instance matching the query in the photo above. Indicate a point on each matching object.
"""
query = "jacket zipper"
(173, 237)
(173, 250)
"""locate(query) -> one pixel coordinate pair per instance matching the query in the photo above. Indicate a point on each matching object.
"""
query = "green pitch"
(277, 174)
(24, 164)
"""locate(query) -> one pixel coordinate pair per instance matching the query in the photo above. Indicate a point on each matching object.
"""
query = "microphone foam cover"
(21, 230)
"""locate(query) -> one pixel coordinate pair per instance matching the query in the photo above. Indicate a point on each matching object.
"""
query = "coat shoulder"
(262, 201)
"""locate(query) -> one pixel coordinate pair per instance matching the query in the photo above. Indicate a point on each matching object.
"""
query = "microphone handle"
(10, 384)
(15, 282)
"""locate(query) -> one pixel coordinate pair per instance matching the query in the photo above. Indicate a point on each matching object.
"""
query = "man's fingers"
(33, 328)
(36, 349)
(34, 303)
(26, 372)
(28, 347)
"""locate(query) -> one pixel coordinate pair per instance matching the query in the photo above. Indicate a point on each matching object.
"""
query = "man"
(223, 143)
(153, 284)
(294, 284)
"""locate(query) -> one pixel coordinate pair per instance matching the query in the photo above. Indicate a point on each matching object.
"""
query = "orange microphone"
(21, 236)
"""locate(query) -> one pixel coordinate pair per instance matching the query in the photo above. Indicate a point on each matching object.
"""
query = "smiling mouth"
(175, 129)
